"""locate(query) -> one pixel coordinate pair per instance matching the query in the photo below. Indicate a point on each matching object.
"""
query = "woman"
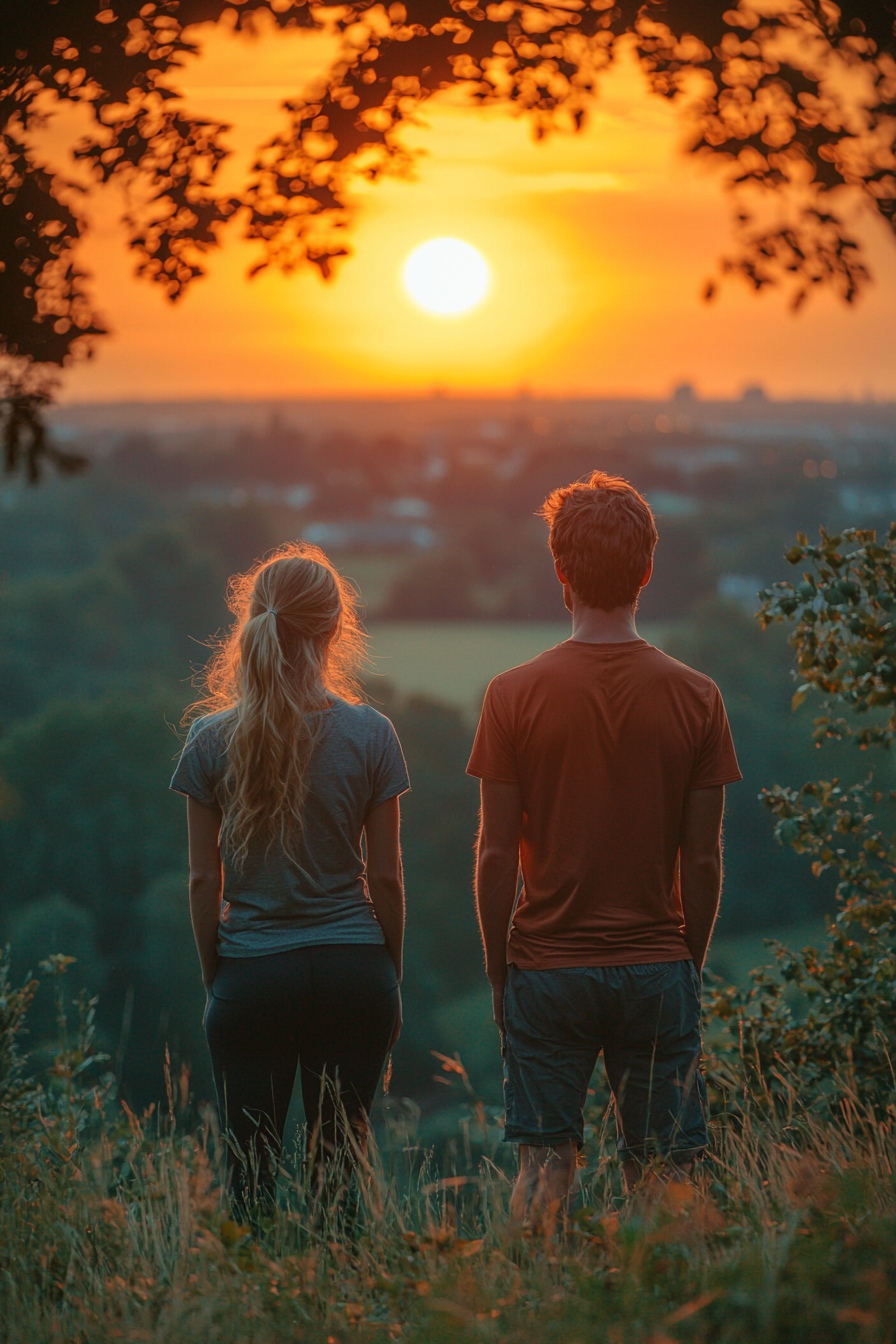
(299, 940)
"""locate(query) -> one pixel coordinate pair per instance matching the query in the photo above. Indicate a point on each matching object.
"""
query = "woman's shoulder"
(208, 727)
(361, 718)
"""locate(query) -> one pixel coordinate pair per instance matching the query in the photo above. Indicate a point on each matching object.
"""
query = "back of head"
(296, 640)
(603, 538)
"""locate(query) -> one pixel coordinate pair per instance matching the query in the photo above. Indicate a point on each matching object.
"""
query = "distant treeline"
(483, 555)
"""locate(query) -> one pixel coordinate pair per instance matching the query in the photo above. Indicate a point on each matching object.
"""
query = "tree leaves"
(845, 637)
(845, 641)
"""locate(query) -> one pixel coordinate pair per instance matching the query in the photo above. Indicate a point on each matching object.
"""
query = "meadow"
(454, 661)
(116, 1226)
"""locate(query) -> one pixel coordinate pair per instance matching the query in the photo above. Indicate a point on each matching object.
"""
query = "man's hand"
(497, 869)
(498, 1006)
(396, 1030)
(701, 867)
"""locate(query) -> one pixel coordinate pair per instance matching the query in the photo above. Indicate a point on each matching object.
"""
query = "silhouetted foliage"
(25, 442)
(842, 1044)
(779, 118)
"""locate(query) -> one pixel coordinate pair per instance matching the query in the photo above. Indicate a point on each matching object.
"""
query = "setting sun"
(446, 276)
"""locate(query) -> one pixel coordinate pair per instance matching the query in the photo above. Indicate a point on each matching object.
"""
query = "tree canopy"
(794, 98)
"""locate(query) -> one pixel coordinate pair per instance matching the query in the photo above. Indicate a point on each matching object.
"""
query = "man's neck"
(591, 625)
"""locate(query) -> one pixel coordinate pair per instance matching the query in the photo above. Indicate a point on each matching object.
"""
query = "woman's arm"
(385, 879)
(206, 884)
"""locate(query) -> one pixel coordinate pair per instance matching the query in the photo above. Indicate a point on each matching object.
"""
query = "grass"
(117, 1227)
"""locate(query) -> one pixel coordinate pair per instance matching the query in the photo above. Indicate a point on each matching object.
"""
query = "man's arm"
(206, 884)
(701, 867)
(497, 871)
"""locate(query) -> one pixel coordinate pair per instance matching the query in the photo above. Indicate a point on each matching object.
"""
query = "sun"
(446, 276)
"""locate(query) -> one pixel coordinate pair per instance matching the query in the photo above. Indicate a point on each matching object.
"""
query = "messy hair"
(603, 537)
(296, 638)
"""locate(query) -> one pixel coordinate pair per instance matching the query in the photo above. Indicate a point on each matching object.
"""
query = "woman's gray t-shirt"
(276, 902)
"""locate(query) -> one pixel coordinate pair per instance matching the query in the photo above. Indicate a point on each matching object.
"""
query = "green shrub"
(836, 1040)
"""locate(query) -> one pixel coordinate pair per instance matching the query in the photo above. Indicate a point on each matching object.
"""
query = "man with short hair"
(603, 766)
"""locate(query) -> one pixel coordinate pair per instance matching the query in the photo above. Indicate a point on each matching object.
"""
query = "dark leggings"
(330, 1008)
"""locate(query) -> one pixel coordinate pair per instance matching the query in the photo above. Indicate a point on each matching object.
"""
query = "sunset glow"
(591, 252)
(446, 276)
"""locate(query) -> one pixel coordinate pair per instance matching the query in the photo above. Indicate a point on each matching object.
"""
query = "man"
(603, 766)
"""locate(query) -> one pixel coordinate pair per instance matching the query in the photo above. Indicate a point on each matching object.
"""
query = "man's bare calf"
(547, 1174)
(635, 1174)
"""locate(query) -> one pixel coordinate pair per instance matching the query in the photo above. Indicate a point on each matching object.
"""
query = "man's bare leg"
(633, 1172)
(546, 1178)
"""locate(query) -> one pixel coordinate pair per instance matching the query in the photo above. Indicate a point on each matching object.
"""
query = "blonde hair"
(296, 638)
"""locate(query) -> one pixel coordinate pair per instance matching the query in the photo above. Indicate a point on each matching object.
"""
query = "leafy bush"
(836, 1039)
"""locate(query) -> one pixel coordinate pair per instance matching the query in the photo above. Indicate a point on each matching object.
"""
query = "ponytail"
(296, 640)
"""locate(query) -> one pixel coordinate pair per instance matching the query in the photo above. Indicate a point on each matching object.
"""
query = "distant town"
(444, 489)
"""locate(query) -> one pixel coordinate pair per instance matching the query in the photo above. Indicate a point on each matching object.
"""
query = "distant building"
(693, 461)
(671, 504)
(371, 535)
(862, 502)
(742, 589)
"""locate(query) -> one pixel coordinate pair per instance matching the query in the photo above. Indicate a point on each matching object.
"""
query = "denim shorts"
(645, 1019)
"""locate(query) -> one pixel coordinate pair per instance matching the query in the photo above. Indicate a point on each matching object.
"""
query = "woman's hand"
(385, 881)
(206, 883)
(208, 1004)
(396, 1030)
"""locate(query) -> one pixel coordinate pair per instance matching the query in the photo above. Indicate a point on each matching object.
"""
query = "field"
(454, 660)
(116, 1226)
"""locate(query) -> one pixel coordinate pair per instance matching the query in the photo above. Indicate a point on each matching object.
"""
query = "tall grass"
(116, 1226)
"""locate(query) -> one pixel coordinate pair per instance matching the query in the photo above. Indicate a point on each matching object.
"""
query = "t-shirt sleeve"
(494, 755)
(716, 761)
(389, 773)
(194, 775)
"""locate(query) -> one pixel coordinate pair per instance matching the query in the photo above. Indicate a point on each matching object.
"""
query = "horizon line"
(764, 398)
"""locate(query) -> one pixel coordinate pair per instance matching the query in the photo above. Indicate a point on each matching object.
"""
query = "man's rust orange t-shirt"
(605, 742)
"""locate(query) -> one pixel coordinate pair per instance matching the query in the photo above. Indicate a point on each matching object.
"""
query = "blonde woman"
(299, 938)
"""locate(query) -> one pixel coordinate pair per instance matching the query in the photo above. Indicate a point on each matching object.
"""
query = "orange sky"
(598, 245)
